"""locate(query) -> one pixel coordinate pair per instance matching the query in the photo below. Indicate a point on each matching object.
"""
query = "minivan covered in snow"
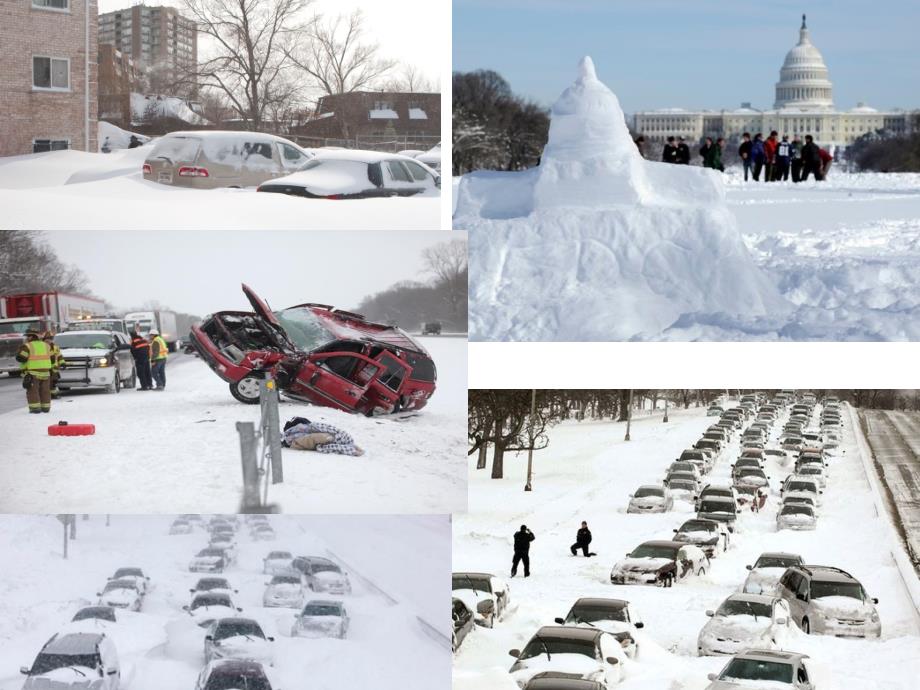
(211, 159)
(318, 354)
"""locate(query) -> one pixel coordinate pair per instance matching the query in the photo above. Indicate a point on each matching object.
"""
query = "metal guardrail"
(260, 451)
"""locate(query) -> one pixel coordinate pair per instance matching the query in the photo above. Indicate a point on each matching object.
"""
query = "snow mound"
(143, 107)
(598, 244)
(117, 137)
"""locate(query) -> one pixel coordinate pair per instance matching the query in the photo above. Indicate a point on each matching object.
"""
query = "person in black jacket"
(522, 541)
(744, 153)
(811, 159)
(683, 152)
(669, 154)
(705, 150)
(140, 349)
(582, 540)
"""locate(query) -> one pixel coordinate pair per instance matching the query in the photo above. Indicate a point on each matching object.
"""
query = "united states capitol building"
(803, 105)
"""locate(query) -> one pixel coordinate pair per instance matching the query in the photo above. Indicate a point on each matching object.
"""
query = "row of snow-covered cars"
(752, 625)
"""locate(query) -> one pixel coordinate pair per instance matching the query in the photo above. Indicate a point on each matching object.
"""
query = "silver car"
(650, 498)
(744, 621)
(777, 669)
(321, 618)
(829, 601)
(74, 660)
(284, 591)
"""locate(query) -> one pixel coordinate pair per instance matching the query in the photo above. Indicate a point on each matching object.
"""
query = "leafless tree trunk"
(411, 80)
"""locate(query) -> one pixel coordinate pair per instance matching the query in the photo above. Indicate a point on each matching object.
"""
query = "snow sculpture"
(597, 243)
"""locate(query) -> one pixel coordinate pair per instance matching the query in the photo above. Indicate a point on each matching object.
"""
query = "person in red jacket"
(826, 160)
(769, 149)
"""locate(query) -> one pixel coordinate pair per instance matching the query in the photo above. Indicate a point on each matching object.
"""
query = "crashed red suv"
(318, 354)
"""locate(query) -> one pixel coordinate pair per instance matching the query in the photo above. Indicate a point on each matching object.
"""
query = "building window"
(43, 145)
(59, 5)
(51, 74)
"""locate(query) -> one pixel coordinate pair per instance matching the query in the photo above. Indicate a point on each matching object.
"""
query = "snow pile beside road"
(117, 137)
(598, 244)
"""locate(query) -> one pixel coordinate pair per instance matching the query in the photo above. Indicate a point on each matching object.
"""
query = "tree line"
(881, 152)
(29, 264)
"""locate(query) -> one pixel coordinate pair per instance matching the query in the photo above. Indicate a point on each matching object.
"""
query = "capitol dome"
(803, 80)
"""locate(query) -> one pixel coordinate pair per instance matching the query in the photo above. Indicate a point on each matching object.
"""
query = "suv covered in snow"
(572, 652)
(484, 593)
(829, 601)
(757, 668)
(318, 354)
(87, 661)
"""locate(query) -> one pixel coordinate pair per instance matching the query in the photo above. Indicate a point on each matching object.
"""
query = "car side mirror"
(209, 638)
(98, 594)
(710, 676)
(710, 613)
(675, 531)
(191, 591)
(782, 621)
(515, 653)
(638, 625)
(612, 660)
(559, 621)
(874, 600)
(185, 608)
(630, 495)
(24, 670)
(749, 567)
(236, 591)
(239, 608)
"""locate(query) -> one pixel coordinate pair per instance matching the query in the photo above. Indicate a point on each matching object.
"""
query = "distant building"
(48, 97)
(803, 104)
(157, 39)
(376, 115)
(119, 77)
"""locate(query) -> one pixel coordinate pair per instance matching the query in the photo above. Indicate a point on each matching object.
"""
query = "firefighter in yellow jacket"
(35, 362)
(57, 361)
(158, 354)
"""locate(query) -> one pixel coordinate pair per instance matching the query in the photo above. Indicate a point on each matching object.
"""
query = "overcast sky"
(200, 272)
(696, 54)
(411, 31)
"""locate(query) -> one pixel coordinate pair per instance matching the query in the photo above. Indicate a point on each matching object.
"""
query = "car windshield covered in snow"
(655, 551)
(699, 526)
(800, 486)
(208, 583)
(106, 613)
(279, 555)
(232, 679)
(128, 572)
(285, 580)
(325, 568)
(539, 645)
(853, 590)
(119, 584)
(474, 582)
(588, 613)
(320, 608)
(211, 599)
(757, 669)
(215, 553)
(649, 491)
(734, 607)
(796, 509)
(45, 663)
(237, 627)
(685, 484)
(776, 562)
(88, 340)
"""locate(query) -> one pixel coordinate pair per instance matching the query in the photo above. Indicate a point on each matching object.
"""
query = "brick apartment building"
(157, 39)
(48, 90)
(375, 114)
(119, 76)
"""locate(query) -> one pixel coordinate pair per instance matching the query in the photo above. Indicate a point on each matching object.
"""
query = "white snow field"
(588, 472)
(76, 190)
(160, 648)
(179, 451)
(597, 244)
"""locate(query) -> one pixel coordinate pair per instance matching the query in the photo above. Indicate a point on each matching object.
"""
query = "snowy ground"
(160, 649)
(75, 190)
(179, 451)
(587, 473)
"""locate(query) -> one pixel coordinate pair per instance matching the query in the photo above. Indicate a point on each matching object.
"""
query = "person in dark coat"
(795, 152)
(522, 539)
(811, 159)
(640, 144)
(744, 153)
(140, 349)
(714, 156)
(582, 541)
(134, 142)
(783, 157)
(705, 149)
(669, 153)
(758, 155)
(683, 152)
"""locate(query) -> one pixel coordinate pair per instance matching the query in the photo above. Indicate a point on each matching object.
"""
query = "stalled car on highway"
(744, 621)
(571, 652)
(660, 563)
(767, 569)
(614, 616)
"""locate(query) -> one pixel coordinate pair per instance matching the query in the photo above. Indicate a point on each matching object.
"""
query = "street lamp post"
(628, 415)
(533, 411)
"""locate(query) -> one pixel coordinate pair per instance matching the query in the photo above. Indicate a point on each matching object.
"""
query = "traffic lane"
(13, 397)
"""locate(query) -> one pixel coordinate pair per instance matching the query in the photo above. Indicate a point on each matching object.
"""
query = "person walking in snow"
(683, 152)
(744, 153)
(795, 152)
(522, 539)
(582, 541)
(669, 153)
(302, 434)
(704, 150)
(811, 159)
(758, 155)
(783, 156)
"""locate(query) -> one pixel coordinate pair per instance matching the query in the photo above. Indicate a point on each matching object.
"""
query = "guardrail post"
(247, 432)
(271, 426)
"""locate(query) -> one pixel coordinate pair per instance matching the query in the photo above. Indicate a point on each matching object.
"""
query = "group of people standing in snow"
(524, 536)
(774, 158)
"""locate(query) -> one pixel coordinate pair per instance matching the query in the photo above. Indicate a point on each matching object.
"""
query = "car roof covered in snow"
(548, 681)
(471, 574)
(232, 135)
(779, 554)
(600, 602)
(664, 542)
(73, 643)
(569, 632)
(754, 598)
(658, 487)
(771, 655)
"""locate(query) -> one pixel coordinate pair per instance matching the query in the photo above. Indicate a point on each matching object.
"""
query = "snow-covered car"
(720, 509)
(744, 621)
(551, 681)
(660, 563)
(650, 498)
(80, 660)
(702, 460)
(714, 411)
(238, 638)
(575, 652)
(96, 359)
(213, 584)
(318, 354)
(715, 491)
(829, 601)
(462, 619)
(321, 618)
(484, 593)
(277, 562)
(207, 607)
(212, 159)
(685, 466)
(322, 575)
(431, 158)
(284, 591)
(796, 516)
(121, 594)
(711, 446)
(230, 674)
(767, 570)
(682, 489)
(711, 536)
(763, 668)
(614, 616)
(357, 175)
(779, 455)
(95, 613)
(791, 442)
(209, 560)
(180, 526)
(816, 472)
(796, 484)
(135, 574)
(751, 476)
(263, 533)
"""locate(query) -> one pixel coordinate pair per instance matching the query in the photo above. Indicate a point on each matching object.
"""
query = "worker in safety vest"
(158, 354)
(57, 361)
(34, 359)
(140, 349)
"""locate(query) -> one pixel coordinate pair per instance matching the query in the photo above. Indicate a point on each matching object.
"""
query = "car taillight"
(147, 169)
(334, 197)
(192, 171)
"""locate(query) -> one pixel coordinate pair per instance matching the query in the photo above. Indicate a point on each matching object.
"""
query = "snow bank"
(597, 243)
(117, 137)
(143, 107)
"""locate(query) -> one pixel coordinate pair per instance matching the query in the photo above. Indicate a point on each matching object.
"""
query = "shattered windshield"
(303, 328)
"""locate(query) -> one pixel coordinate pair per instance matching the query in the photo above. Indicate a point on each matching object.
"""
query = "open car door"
(337, 379)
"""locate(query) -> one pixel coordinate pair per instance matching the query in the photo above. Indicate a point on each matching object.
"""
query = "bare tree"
(411, 80)
(336, 55)
(447, 261)
(250, 61)
(28, 264)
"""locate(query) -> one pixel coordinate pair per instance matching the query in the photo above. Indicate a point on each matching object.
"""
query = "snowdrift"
(598, 244)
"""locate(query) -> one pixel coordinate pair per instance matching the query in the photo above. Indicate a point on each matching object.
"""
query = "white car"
(277, 563)
(135, 574)
(766, 571)
(284, 591)
(121, 594)
(650, 498)
(744, 621)
(321, 618)
(80, 660)
(483, 593)
(571, 652)
(660, 563)
(795, 485)
(238, 638)
(614, 616)
(206, 607)
(213, 584)
(357, 175)
(431, 158)
(797, 516)
(763, 668)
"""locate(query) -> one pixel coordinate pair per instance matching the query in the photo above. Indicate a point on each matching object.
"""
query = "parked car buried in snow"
(614, 616)
(135, 574)
(744, 621)
(650, 498)
(462, 617)
(724, 510)
(322, 575)
(767, 570)
(209, 560)
(484, 593)
(321, 618)
(81, 660)
(829, 601)
(573, 652)
(660, 563)
(224, 674)
(121, 594)
(711, 536)
(351, 174)
(283, 591)
(96, 359)
(797, 516)
(277, 562)
(213, 584)
(763, 668)
(180, 526)
(317, 354)
(207, 607)
(237, 638)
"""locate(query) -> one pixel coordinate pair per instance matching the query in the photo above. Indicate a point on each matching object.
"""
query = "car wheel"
(246, 390)
(133, 383)
(115, 386)
(806, 626)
